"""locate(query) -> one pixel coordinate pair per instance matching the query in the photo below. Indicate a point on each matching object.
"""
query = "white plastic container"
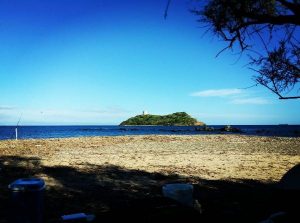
(183, 193)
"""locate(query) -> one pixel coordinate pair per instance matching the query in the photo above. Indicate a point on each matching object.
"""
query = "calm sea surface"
(36, 132)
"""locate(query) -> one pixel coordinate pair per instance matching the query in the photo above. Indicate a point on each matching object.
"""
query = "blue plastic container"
(27, 199)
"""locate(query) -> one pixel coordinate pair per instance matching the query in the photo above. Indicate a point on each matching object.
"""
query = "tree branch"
(240, 22)
(275, 20)
(294, 97)
(295, 8)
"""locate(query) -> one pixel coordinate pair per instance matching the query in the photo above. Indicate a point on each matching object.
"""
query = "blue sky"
(100, 62)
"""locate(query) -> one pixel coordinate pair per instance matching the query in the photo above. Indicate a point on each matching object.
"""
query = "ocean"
(42, 132)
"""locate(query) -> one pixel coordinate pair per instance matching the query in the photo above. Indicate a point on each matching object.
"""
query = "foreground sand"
(204, 156)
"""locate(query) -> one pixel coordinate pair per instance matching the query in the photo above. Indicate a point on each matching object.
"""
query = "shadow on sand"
(115, 194)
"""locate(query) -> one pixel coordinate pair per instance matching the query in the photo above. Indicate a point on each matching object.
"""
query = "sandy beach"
(209, 157)
(112, 177)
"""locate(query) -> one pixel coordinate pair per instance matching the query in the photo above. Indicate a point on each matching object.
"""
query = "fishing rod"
(16, 129)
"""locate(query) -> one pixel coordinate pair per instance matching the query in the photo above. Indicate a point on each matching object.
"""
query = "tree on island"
(178, 118)
(272, 26)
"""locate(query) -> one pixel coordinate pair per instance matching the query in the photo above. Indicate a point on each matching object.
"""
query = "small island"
(175, 119)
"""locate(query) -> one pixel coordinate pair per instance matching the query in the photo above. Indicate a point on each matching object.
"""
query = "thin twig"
(255, 85)
(167, 9)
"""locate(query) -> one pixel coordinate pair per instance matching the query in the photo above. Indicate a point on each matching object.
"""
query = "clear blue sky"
(103, 61)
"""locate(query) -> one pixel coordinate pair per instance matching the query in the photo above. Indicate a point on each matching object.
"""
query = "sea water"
(36, 132)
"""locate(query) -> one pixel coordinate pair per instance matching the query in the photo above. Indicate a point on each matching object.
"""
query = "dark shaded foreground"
(116, 194)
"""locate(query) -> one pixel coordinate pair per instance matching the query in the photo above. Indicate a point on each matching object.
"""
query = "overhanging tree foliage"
(269, 30)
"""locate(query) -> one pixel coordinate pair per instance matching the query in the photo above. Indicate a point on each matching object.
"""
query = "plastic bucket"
(27, 199)
(183, 193)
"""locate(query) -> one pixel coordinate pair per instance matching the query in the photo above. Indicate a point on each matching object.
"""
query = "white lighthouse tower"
(145, 112)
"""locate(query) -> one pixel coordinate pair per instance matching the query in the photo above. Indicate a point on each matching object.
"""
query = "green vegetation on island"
(178, 118)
